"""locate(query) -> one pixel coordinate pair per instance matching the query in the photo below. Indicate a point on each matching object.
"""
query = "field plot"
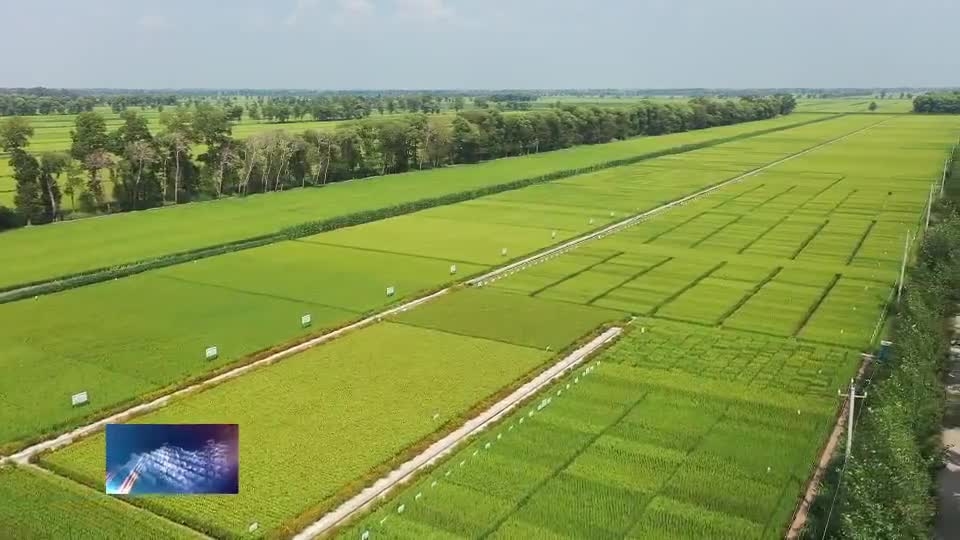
(326, 418)
(293, 278)
(161, 321)
(52, 251)
(854, 105)
(673, 432)
(40, 505)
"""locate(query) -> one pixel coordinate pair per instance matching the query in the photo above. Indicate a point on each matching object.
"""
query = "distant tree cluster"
(943, 102)
(41, 101)
(150, 170)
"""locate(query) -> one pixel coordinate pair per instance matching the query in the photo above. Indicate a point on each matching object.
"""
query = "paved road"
(948, 511)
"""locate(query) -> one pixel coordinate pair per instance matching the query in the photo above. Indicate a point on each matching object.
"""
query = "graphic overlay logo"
(172, 459)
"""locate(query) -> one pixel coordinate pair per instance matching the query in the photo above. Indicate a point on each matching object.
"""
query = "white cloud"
(152, 22)
(425, 10)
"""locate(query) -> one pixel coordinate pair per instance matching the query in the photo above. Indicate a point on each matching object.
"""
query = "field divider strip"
(450, 442)
(563, 466)
(717, 231)
(629, 279)
(583, 270)
(637, 218)
(741, 194)
(808, 239)
(749, 294)
(863, 238)
(696, 281)
(20, 291)
(816, 305)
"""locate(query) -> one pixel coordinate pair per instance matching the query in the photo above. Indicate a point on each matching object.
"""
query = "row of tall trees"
(943, 102)
(194, 155)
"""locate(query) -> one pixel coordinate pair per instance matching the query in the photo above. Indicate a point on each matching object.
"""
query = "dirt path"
(948, 485)
(449, 443)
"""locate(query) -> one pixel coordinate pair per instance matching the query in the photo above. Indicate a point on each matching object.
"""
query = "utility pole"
(903, 265)
(853, 396)
(929, 208)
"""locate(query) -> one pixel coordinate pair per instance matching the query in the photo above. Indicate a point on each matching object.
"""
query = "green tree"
(52, 165)
(89, 147)
(872, 107)
(15, 133)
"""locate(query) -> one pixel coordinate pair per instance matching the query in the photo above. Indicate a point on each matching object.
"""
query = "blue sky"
(343, 44)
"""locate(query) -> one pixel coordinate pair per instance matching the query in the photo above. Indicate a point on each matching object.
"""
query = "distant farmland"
(750, 306)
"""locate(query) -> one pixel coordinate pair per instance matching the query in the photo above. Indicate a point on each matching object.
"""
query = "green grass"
(327, 417)
(50, 251)
(38, 505)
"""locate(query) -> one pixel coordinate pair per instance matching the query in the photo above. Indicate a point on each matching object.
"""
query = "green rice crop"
(39, 505)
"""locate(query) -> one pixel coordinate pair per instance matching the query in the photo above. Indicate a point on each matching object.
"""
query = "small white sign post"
(503, 252)
(391, 291)
(253, 527)
(553, 234)
(591, 221)
(212, 353)
(453, 269)
(79, 399)
(306, 320)
(365, 535)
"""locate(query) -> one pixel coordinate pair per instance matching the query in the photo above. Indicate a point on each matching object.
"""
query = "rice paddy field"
(65, 248)
(160, 322)
(855, 105)
(41, 505)
(750, 308)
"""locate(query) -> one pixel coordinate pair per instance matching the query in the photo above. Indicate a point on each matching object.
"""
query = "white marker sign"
(306, 320)
(79, 399)
(365, 535)
(453, 269)
(212, 353)
(503, 251)
(253, 527)
(553, 234)
(390, 291)
(401, 508)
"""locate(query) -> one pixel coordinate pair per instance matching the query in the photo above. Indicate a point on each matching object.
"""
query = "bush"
(10, 219)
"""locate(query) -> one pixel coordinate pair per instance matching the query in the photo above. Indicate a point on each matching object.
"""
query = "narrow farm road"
(948, 485)
(447, 444)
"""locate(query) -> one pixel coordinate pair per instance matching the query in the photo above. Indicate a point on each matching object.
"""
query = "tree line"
(195, 157)
(942, 102)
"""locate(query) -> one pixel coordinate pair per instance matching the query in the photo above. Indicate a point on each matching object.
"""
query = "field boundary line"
(816, 305)
(635, 219)
(574, 275)
(25, 455)
(863, 238)
(450, 442)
